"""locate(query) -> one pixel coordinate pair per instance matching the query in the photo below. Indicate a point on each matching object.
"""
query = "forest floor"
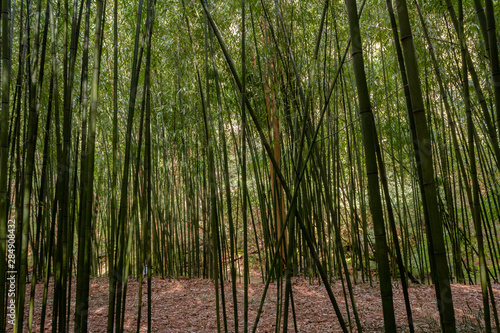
(189, 306)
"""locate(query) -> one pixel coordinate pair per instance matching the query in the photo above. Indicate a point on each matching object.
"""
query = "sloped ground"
(189, 306)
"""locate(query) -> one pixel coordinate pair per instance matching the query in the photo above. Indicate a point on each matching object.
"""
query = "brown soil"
(189, 306)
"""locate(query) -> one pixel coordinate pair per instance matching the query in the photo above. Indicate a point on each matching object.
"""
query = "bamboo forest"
(250, 166)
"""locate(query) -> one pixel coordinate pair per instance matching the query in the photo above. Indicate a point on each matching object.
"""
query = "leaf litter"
(188, 305)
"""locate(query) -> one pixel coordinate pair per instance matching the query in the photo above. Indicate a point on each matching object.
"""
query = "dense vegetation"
(248, 141)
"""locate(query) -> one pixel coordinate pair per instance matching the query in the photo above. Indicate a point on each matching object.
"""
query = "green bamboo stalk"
(114, 209)
(222, 139)
(476, 210)
(52, 225)
(246, 272)
(83, 162)
(43, 181)
(493, 48)
(147, 168)
(27, 189)
(81, 307)
(117, 269)
(369, 137)
(443, 289)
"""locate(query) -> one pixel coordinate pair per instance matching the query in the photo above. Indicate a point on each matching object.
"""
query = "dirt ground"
(189, 306)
